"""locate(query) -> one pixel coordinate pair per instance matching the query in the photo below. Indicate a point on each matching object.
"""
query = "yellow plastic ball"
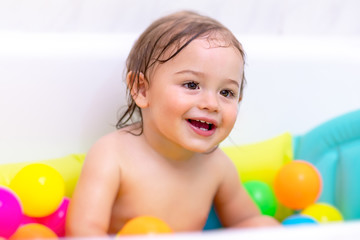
(144, 225)
(40, 188)
(323, 213)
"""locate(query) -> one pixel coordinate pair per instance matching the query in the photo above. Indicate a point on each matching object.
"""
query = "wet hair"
(162, 41)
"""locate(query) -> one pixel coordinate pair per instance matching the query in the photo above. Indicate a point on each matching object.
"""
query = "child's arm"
(91, 204)
(234, 206)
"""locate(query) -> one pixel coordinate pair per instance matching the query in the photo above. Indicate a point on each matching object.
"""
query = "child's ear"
(139, 88)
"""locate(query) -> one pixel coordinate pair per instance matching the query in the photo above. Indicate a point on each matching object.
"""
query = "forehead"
(204, 52)
(213, 43)
(209, 40)
(207, 57)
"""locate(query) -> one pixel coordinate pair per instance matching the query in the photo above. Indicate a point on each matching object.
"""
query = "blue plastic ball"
(299, 219)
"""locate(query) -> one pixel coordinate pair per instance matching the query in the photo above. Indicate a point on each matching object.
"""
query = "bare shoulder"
(104, 164)
(222, 162)
(120, 136)
(98, 183)
(220, 167)
(112, 148)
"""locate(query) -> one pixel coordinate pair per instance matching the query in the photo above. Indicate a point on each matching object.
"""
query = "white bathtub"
(60, 92)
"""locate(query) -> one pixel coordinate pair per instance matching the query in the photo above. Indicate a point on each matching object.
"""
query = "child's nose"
(209, 101)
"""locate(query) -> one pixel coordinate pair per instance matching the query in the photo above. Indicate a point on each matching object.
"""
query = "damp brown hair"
(162, 41)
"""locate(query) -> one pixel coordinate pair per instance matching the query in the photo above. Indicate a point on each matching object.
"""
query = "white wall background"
(275, 17)
(61, 67)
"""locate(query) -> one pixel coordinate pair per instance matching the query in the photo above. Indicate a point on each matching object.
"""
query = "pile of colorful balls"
(34, 204)
(297, 186)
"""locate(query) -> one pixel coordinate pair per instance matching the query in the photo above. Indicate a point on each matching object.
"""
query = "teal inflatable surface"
(334, 148)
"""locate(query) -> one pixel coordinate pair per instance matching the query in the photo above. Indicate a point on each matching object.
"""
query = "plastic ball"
(263, 196)
(299, 219)
(297, 184)
(40, 188)
(145, 225)
(33, 231)
(10, 212)
(323, 213)
(56, 220)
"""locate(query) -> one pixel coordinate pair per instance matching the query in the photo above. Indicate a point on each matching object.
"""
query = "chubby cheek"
(171, 104)
(176, 97)
(229, 118)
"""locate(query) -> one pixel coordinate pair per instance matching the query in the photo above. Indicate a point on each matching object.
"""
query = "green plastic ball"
(263, 196)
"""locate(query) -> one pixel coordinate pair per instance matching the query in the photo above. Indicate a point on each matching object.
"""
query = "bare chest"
(180, 197)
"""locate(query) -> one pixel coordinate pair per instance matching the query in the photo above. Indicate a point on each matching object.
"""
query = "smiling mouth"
(202, 125)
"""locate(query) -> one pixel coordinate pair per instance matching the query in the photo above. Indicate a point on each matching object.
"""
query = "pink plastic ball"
(10, 212)
(56, 220)
(26, 220)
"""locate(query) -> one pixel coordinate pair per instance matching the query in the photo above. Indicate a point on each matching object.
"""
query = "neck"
(167, 149)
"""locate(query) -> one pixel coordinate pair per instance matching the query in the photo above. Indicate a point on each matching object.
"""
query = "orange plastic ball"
(145, 225)
(33, 231)
(298, 184)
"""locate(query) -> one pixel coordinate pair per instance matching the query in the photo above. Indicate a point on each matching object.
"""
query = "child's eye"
(227, 93)
(191, 85)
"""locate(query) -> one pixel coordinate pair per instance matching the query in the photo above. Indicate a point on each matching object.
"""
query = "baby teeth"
(204, 122)
(204, 129)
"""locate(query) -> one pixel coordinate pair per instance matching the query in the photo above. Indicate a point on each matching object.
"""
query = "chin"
(211, 150)
(201, 149)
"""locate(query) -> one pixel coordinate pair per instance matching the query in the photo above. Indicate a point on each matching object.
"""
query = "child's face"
(202, 83)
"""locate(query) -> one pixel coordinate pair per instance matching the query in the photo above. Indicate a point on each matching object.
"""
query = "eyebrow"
(196, 73)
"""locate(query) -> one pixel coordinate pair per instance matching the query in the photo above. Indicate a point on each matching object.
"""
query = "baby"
(185, 78)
